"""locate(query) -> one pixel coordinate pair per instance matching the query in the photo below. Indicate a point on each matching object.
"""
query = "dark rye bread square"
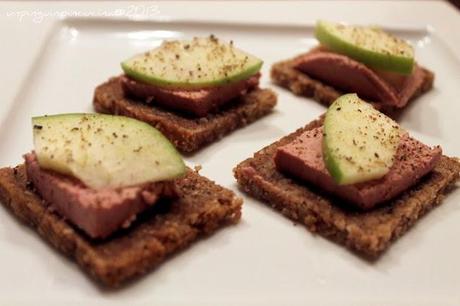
(187, 133)
(369, 233)
(201, 208)
(286, 75)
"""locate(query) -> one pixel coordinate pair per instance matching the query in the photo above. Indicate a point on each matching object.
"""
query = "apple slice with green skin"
(199, 63)
(105, 151)
(370, 45)
(359, 143)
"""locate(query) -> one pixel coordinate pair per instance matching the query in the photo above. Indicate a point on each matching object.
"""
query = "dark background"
(456, 3)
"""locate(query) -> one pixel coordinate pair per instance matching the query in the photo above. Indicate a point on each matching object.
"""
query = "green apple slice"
(359, 143)
(370, 45)
(105, 151)
(201, 62)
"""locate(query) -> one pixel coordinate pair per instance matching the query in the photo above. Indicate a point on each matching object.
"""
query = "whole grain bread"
(187, 133)
(369, 233)
(200, 209)
(286, 75)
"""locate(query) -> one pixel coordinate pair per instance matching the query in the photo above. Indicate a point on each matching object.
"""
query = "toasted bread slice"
(368, 233)
(284, 74)
(200, 209)
(187, 133)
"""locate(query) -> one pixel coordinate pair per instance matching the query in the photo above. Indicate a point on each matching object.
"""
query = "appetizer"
(376, 65)
(193, 91)
(113, 194)
(354, 175)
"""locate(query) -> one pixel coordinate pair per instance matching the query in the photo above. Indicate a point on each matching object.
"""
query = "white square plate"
(265, 259)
